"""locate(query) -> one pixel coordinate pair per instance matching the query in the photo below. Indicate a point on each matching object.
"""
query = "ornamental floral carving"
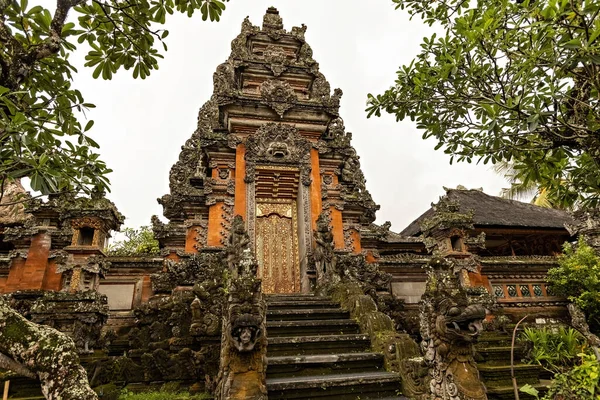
(278, 95)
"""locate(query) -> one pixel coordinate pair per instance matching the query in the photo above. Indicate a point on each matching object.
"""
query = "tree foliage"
(138, 242)
(577, 278)
(509, 80)
(41, 136)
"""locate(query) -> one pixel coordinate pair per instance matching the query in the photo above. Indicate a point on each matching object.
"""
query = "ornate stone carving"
(239, 45)
(335, 129)
(586, 222)
(224, 82)
(226, 219)
(238, 242)
(276, 59)
(323, 255)
(81, 315)
(243, 343)
(273, 23)
(449, 327)
(278, 95)
(186, 272)
(276, 143)
(320, 89)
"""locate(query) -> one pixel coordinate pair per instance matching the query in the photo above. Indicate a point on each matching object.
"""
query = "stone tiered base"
(316, 352)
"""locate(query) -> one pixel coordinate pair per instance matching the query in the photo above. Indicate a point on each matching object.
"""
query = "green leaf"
(89, 125)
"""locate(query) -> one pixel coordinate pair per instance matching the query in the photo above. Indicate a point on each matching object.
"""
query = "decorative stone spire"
(272, 21)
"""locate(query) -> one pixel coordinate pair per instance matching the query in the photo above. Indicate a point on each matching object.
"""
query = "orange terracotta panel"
(370, 258)
(15, 275)
(190, 240)
(52, 279)
(239, 207)
(32, 276)
(3, 283)
(215, 219)
(315, 187)
(356, 241)
(337, 228)
(477, 279)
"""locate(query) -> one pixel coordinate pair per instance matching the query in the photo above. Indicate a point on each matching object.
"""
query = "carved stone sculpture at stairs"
(243, 367)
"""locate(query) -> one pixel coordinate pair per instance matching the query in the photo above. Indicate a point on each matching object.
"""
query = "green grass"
(162, 395)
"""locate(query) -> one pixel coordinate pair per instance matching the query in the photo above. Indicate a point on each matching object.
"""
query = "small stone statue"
(324, 255)
(238, 242)
(196, 307)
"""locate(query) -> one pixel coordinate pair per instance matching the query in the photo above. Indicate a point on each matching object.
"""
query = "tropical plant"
(515, 81)
(138, 242)
(555, 349)
(521, 186)
(577, 278)
(41, 135)
(580, 383)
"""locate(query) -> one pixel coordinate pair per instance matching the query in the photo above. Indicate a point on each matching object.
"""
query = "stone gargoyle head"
(458, 321)
(246, 332)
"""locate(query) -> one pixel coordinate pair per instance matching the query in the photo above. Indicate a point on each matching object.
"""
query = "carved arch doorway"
(277, 245)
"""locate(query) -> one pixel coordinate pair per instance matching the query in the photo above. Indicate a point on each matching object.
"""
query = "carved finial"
(272, 20)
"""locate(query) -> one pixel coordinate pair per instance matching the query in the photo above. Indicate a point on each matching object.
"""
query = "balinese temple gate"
(271, 147)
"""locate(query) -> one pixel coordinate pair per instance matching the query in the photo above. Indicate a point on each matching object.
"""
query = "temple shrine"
(269, 187)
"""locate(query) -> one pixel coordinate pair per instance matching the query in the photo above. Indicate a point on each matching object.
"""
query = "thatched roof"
(496, 211)
(13, 214)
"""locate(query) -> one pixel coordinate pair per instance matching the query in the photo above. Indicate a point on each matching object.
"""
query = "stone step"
(301, 305)
(295, 297)
(499, 354)
(493, 339)
(329, 344)
(312, 327)
(322, 364)
(367, 385)
(500, 375)
(507, 392)
(309, 313)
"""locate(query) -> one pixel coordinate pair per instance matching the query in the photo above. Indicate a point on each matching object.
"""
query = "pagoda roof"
(498, 212)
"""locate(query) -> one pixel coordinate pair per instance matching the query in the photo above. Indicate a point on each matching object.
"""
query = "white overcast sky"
(142, 124)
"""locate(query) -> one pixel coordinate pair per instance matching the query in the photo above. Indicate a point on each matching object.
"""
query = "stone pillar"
(315, 188)
(240, 184)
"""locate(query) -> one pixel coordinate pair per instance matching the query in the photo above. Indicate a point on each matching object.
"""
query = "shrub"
(581, 383)
(555, 349)
(578, 279)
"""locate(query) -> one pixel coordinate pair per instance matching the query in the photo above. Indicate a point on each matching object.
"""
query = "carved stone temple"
(268, 206)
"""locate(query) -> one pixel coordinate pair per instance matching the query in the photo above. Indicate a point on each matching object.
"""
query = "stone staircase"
(316, 351)
(493, 349)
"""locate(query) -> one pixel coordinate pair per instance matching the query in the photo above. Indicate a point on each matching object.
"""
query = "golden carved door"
(277, 246)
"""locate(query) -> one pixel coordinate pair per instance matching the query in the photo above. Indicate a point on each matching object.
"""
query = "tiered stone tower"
(271, 147)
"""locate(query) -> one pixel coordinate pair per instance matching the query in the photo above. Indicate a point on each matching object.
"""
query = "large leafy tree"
(41, 135)
(509, 80)
(42, 138)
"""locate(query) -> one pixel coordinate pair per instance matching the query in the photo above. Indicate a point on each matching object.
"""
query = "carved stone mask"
(245, 332)
(278, 150)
